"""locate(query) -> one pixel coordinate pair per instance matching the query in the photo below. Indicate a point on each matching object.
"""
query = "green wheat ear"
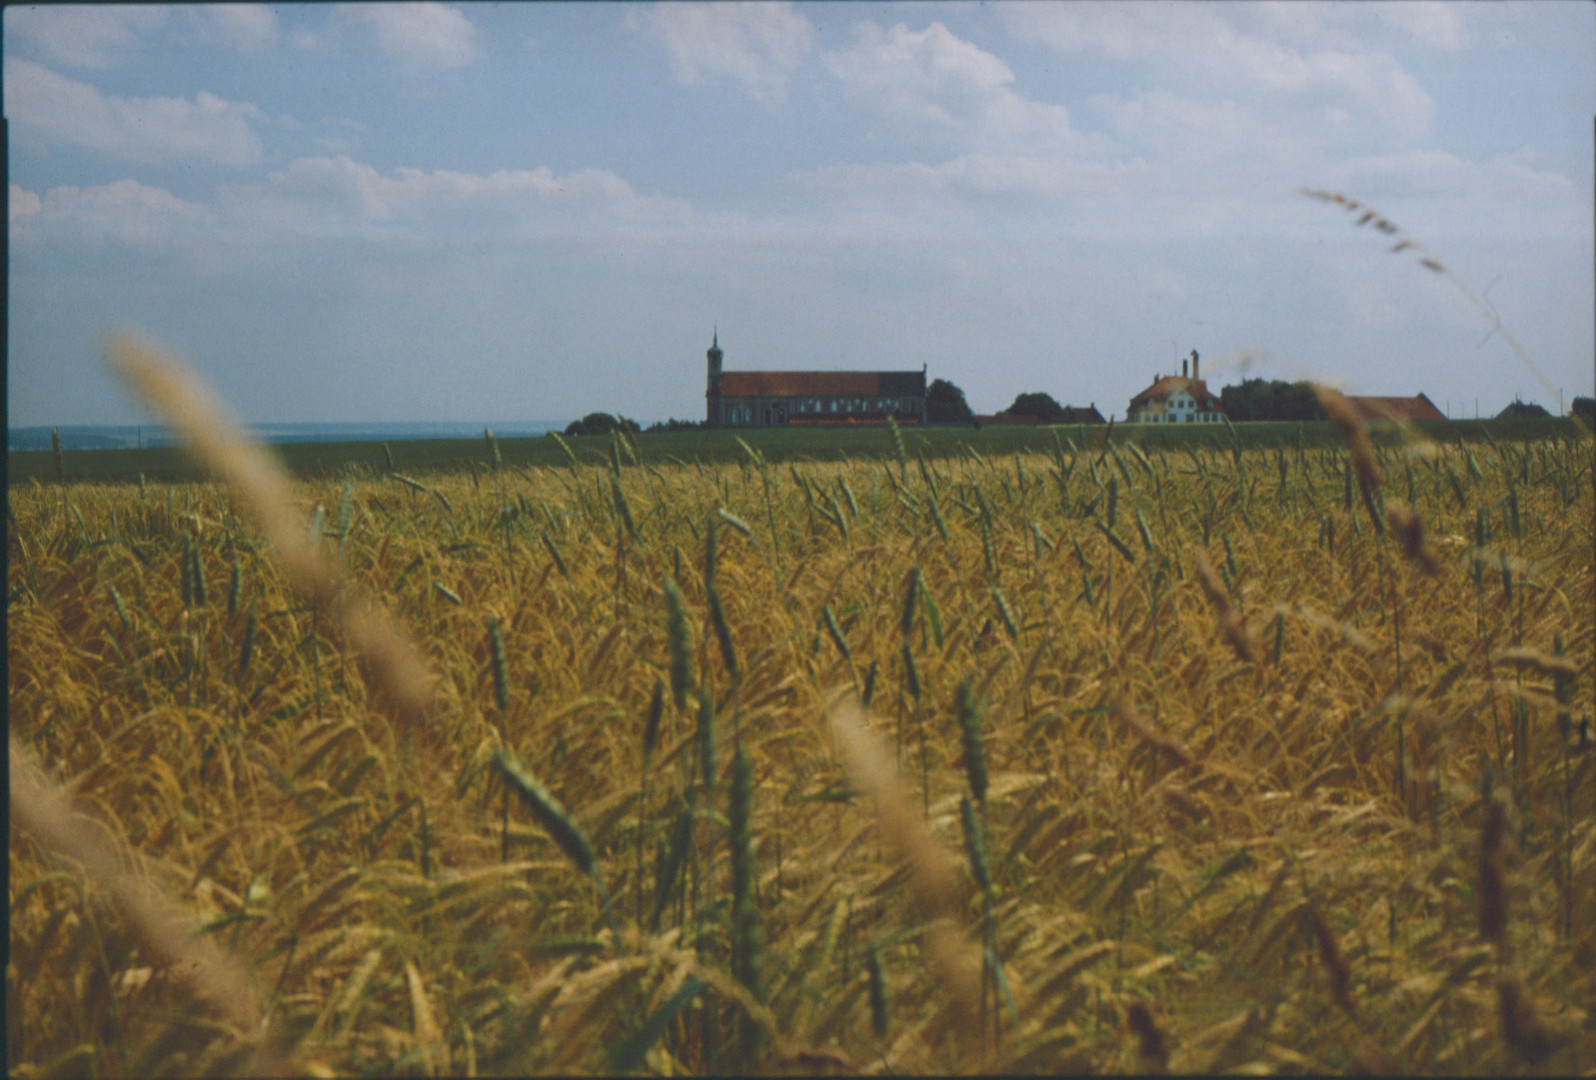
(911, 598)
(558, 823)
(501, 667)
(970, 713)
(706, 737)
(656, 710)
(681, 643)
(747, 936)
(880, 1007)
(717, 622)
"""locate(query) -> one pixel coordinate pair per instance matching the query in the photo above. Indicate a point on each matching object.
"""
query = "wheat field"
(1096, 760)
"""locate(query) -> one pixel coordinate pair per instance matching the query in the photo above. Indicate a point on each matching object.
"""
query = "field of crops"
(1088, 758)
(778, 445)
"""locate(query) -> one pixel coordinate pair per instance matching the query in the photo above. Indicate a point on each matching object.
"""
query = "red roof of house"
(1161, 391)
(1396, 408)
(821, 383)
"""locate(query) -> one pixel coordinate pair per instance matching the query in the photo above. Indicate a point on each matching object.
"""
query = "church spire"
(712, 390)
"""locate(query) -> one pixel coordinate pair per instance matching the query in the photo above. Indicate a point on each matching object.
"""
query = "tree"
(1260, 399)
(674, 424)
(1036, 404)
(945, 404)
(1585, 409)
(599, 423)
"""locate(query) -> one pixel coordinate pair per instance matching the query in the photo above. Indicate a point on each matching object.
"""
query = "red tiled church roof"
(798, 383)
(821, 383)
(1396, 408)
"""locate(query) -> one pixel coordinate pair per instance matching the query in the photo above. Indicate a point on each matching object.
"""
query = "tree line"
(1251, 399)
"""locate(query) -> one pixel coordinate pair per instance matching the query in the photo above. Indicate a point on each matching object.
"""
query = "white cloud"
(898, 184)
(1199, 47)
(1428, 22)
(249, 28)
(154, 129)
(1339, 25)
(126, 211)
(1437, 174)
(937, 81)
(82, 35)
(1151, 32)
(339, 199)
(1198, 132)
(756, 46)
(342, 197)
(23, 204)
(418, 36)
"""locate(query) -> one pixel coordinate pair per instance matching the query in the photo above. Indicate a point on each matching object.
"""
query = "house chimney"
(1183, 369)
(1194, 375)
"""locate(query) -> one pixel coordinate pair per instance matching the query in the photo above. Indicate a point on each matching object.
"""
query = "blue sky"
(487, 212)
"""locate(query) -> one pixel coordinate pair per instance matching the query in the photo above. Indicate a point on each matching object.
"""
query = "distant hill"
(130, 436)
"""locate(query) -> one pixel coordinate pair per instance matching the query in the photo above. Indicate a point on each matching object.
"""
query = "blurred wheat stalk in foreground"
(397, 671)
(1369, 216)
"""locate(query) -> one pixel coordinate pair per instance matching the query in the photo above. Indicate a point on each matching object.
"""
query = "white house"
(1176, 399)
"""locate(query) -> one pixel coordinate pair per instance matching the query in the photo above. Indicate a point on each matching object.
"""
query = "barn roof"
(821, 383)
(1164, 388)
(1418, 407)
(1522, 410)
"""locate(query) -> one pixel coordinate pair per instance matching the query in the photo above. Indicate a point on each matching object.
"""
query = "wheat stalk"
(400, 676)
(932, 880)
(46, 813)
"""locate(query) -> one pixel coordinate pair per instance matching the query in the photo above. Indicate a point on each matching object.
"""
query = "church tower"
(713, 392)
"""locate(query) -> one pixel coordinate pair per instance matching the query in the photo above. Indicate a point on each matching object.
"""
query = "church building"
(776, 398)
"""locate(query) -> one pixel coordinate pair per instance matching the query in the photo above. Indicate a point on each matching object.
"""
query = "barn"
(1417, 407)
(1523, 410)
(785, 398)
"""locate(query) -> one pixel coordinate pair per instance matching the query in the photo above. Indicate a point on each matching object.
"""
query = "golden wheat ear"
(933, 879)
(401, 682)
(45, 812)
